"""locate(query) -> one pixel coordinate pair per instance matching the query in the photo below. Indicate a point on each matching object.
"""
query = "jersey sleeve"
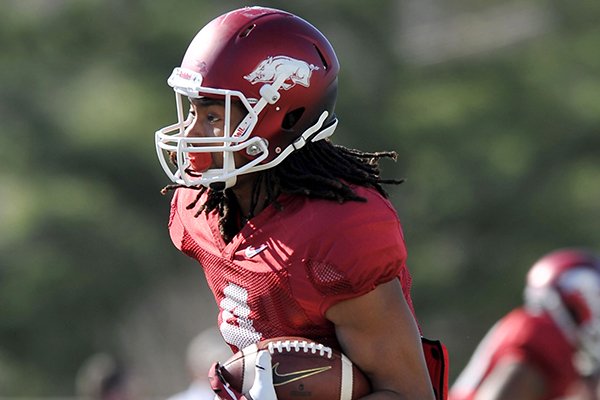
(550, 354)
(537, 341)
(362, 248)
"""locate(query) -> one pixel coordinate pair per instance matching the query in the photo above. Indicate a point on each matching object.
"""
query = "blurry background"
(493, 106)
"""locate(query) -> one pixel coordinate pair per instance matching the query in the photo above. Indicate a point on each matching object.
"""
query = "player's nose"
(194, 129)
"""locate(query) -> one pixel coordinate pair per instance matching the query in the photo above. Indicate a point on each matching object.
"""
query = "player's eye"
(212, 118)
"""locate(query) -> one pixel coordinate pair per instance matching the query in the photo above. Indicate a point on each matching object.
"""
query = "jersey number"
(236, 326)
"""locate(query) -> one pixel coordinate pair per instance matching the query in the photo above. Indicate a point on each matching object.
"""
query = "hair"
(318, 170)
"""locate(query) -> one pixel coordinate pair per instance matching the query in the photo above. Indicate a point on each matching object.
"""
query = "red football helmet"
(566, 283)
(279, 67)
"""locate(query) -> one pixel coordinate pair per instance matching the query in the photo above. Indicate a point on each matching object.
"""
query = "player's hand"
(220, 386)
(262, 388)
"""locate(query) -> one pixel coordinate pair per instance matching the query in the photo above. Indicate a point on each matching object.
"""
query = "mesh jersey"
(285, 268)
(530, 338)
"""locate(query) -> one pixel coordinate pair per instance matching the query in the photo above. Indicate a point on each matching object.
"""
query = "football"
(302, 369)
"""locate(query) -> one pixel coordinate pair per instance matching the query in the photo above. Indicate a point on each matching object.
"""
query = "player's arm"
(512, 379)
(378, 333)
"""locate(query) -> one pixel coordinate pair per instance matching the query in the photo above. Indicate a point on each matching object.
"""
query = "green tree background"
(493, 106)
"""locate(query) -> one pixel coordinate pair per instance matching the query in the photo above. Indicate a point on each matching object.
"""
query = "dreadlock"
(319, 170)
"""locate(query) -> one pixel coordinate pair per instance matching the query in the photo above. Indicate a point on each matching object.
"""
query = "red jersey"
(285, 268)
(531, 338)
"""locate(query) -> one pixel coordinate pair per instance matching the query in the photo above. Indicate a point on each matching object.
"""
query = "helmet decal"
(286, 70)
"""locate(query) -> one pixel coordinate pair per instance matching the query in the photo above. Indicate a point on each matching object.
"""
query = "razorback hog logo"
(292, 72)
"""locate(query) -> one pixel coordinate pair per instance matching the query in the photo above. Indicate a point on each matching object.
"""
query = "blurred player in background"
(550, 347)
(295, 235)
(202, 351)
(103, 377)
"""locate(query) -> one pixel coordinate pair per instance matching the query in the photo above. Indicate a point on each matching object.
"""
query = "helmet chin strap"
(220, 185)
(312, 134)
(229, 182)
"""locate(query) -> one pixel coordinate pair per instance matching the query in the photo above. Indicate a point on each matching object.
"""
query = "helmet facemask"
(573, 302)
(172, 139)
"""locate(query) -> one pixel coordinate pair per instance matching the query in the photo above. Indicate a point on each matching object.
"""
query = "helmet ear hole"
(291, 118)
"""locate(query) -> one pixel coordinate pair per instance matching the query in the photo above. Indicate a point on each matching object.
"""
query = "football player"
(550, 347)
(295, 235)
